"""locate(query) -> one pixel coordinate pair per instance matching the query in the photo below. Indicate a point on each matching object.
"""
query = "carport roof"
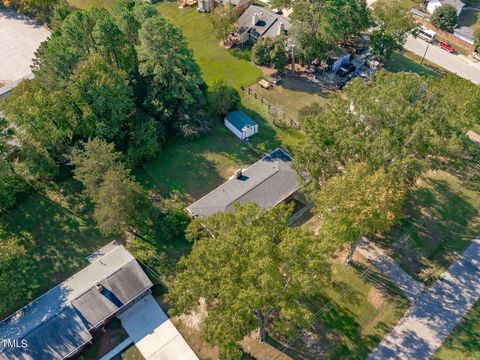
(267, 182)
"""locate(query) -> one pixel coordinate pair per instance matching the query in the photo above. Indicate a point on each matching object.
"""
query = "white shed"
(241, 124)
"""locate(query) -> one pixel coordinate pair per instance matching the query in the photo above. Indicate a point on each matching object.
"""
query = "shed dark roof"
(268, 23)
(240, 120)
(267, 182)
(58, 322)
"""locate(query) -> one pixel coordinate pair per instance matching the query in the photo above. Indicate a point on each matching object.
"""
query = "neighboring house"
(457, 4)
(268, 182)
(58, 324)
(241, 124)
(209, 5)
(256, 23)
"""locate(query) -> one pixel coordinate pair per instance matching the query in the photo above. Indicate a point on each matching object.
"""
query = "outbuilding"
(241, 124)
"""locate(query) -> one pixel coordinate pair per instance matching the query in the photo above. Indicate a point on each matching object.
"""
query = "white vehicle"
(426, 34)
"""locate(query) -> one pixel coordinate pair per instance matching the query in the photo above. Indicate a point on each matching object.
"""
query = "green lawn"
(452, 210)
(216, 63)
(464, 342)
(54, 229)
(86, 4)
(359, 319)
(405, 4)
(410, 62)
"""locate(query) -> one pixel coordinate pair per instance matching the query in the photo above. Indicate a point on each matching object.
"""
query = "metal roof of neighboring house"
(267, 182)
(267, 22)
(240, 120)
(74, 306)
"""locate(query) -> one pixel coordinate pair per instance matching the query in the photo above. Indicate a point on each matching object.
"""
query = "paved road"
(378, 258)
(19, 38)
(457, 64)
(431, 319)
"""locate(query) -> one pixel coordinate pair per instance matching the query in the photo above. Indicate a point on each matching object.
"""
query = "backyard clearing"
(443, 212)
(293, 93)
(19, 39)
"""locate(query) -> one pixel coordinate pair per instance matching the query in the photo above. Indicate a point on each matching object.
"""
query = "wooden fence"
(275, 112)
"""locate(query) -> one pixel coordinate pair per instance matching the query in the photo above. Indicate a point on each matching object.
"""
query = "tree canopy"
(393, 25)
(444, 17)
(252, 273)
(358, 202)
(223, 19)
(401, 122)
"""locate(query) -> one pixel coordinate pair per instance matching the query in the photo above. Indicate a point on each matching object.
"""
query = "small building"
(256, 23)
(209, 5)
(457, 4)
(268, 182)
(241, 124)
(60, 323)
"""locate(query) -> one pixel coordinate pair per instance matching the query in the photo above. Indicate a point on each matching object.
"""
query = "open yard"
(444, 212)
(59, 235)
(464, 341)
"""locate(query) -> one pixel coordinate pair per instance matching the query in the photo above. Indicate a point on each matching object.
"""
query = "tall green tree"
(120, 203)
(359, 202)
(175, 87)
(253, 274)
(347, 18)
(393, 25)
(91, 163)
(103, 99)
(223, 20)
(223, 98)
(15, 279)
(444, 17)
(401, 122)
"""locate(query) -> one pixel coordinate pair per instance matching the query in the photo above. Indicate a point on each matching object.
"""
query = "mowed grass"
(362, 315)
(216, 63)
(409, 62)
(464, 341)
(58, 235)
(87, 4)
(444, 213)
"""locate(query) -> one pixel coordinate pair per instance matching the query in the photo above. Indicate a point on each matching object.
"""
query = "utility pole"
(293, 59)
(425, 54)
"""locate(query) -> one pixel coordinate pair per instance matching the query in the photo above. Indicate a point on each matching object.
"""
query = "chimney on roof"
(99, 287)
(255, 19)
(238, 173)
(281, 29)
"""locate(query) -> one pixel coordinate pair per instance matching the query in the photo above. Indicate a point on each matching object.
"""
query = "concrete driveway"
(457, 64)
(153, 333)
(437, 311)
(19, 38)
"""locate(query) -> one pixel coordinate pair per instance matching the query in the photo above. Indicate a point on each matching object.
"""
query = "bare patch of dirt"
(376, 297)
(189, 325)
(261, 351)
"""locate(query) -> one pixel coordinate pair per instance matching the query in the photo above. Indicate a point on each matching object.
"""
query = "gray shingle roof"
(74, 306)
(268, 23)
(267, 182)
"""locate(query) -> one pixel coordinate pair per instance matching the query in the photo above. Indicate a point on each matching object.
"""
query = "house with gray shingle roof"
(268, 182)
(58, 324)
(257, 22)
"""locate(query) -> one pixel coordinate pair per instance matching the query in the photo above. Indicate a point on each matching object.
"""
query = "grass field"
(216, 63)
(451, 210)
(464, 341)
(57, 231)
(86, 4)
(410, 62)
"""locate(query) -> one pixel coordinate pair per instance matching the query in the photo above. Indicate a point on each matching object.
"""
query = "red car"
(446, 46)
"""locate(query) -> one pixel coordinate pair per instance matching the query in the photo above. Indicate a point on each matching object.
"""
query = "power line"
(403, 239)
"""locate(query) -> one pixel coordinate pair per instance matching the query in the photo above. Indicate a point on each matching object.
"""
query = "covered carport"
(153, 333)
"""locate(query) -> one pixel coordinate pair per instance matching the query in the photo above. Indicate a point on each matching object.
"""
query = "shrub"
(444, 17)
(223, 99)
